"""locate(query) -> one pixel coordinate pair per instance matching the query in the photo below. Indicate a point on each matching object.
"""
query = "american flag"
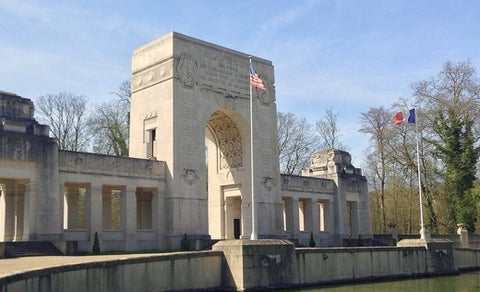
(255, 80)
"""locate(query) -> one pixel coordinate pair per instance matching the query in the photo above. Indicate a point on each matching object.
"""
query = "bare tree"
(124, 92)
(109, 123)
(65, 113)
(328, 131)
(296, 141)
(376, 123)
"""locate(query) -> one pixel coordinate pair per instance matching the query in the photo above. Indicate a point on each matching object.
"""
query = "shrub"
(96, 245)
(312, 241)
(185, 243)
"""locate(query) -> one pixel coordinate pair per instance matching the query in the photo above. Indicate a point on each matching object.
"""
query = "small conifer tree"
(312, 241)
(96, 245)
(185, 243)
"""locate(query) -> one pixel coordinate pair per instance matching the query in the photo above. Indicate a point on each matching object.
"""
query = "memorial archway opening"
(225, 152)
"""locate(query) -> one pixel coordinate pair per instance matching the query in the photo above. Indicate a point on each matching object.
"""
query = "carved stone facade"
(188, 172)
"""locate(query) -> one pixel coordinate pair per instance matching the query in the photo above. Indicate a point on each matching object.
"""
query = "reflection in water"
(468, 282)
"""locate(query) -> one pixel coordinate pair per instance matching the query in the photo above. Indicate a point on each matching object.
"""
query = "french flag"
(399, 117)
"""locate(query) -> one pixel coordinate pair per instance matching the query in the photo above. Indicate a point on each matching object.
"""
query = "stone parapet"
(99, 164)
(307, 184)
(236, 265)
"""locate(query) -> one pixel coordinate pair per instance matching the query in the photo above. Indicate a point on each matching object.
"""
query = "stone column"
(27, 212)
(71, 199)
(308, 215)
(31, 209)
(3, 212)
(353, 206)
(9, 201)
(289, 215)
(295, 220)
(18, 212)
(130, 215)
(106, 210)
(329, 216)
(64, 198)
(315, 216)
(245, 205)
(340, 223)
(158, 216)
(95, 206)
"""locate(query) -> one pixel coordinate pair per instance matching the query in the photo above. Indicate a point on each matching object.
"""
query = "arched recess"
(225, 159)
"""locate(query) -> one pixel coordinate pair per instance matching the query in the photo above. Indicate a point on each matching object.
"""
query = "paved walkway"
(18, 265)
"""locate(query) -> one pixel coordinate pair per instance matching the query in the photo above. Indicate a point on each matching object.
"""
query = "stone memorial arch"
(190, 108)
(189, 170)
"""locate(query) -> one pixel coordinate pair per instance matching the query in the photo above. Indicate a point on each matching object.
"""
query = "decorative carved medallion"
(149, 167)
(79, 161)
(187, 69)
(268, 183)
(189, 176)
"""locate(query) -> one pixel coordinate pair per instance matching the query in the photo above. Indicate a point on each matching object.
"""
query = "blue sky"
(346, 55)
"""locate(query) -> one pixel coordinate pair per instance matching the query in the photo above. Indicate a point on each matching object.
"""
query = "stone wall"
(316, 266)
(211, 270)
(178, 271)
(466, 259)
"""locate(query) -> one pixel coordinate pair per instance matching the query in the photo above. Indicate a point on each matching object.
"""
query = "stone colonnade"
(120, 199)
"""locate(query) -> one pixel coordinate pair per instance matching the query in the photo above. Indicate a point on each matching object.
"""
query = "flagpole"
(254, 235)
(422, 226)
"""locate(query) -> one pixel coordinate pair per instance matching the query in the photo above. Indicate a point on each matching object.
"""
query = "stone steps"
(30, 248)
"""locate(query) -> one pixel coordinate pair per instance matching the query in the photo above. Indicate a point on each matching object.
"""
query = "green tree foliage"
(456, 148)
(451, 103)
(448, 133)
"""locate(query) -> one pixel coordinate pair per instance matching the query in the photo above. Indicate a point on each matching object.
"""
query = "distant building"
(188, 170)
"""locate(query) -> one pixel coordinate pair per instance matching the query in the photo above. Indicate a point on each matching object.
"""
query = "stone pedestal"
(438, 254)
(256, 264)
(463, 233)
